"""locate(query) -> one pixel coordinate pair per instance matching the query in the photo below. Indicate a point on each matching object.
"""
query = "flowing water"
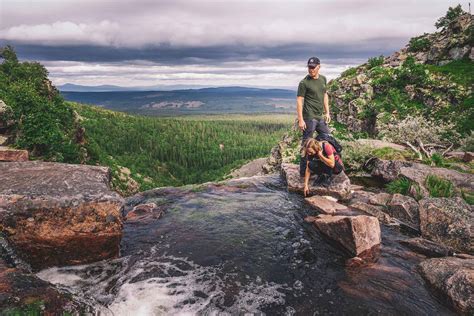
(238, 248)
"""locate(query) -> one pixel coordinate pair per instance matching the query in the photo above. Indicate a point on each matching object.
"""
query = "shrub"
(418, 44)
(451, 15)
(400, 185)
(349, 72)
(439, 187)
(414, 128)
(467, 143)
(375, 61)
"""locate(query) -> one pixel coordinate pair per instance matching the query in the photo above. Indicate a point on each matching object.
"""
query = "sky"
(208, 43)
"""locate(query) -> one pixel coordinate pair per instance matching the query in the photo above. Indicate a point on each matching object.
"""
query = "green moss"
(439, 187)
(32, 309)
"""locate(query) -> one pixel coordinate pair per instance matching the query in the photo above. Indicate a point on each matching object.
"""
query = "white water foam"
(163, 285)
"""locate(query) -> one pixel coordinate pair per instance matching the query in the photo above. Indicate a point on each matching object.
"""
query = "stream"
(243, 247)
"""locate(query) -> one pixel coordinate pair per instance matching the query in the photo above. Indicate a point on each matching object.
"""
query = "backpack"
(331, 140)
(338, 166)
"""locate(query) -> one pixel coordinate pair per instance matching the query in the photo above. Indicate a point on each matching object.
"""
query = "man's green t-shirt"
(312, 90)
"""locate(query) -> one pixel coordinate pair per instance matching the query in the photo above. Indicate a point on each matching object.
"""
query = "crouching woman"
(323, 160)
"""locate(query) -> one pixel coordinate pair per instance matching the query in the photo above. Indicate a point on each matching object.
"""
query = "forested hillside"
(176, 151)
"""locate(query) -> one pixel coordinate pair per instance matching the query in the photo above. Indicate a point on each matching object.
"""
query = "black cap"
(313, 62)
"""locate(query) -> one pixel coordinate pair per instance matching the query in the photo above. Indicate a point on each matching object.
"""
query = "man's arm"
(327, 116)
(299, 112)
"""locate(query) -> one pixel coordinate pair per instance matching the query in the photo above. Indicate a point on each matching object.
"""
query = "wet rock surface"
(355, 234)
(453, 279)
(59, 214)
(340, 186)
(23, 293)
(427, 247)
(449, 221)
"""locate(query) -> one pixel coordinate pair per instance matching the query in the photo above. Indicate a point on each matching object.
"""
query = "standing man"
(312, 105)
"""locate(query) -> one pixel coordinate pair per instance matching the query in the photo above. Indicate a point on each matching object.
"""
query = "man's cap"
(313, 62)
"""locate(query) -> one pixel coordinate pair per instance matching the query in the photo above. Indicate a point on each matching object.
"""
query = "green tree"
(451, 15)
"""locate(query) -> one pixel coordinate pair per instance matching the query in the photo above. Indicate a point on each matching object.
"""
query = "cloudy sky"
(208, 43)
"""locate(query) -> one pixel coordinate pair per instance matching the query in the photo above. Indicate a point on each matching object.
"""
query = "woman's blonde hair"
(310, 143)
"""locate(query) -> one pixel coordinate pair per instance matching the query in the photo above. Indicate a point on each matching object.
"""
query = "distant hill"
(190, 101)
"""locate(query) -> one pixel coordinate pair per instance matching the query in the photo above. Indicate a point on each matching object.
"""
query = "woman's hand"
(320, 153)
(306, 190)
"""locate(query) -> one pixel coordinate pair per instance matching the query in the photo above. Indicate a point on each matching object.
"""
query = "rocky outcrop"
(9, 154)
(453, 278)
(59, 214)
(389, 170)
(285, 151)
(448, 221)
(355, 234)
(353, 94)
(23, 293)
(340, 186)
(325, 205)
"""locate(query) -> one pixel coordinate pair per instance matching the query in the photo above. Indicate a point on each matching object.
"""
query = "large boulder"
(340, 186)
(355, 234)
(389, 170)
(449, 221)
(59, 214)
(454, 279)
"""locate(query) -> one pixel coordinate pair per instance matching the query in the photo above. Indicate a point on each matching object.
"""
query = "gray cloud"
(221, 33)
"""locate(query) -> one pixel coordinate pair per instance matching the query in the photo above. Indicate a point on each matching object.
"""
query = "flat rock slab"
(340, 186)
(427, 247)
(376, 143)
(355, 234)
(324, 205)
(449, 221)
(374, 210)
(59, 214)
(9, 154)
(453, 278)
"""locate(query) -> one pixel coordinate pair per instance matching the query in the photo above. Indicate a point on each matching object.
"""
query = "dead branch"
(447, 150)
(420, 157)
(420, 143)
